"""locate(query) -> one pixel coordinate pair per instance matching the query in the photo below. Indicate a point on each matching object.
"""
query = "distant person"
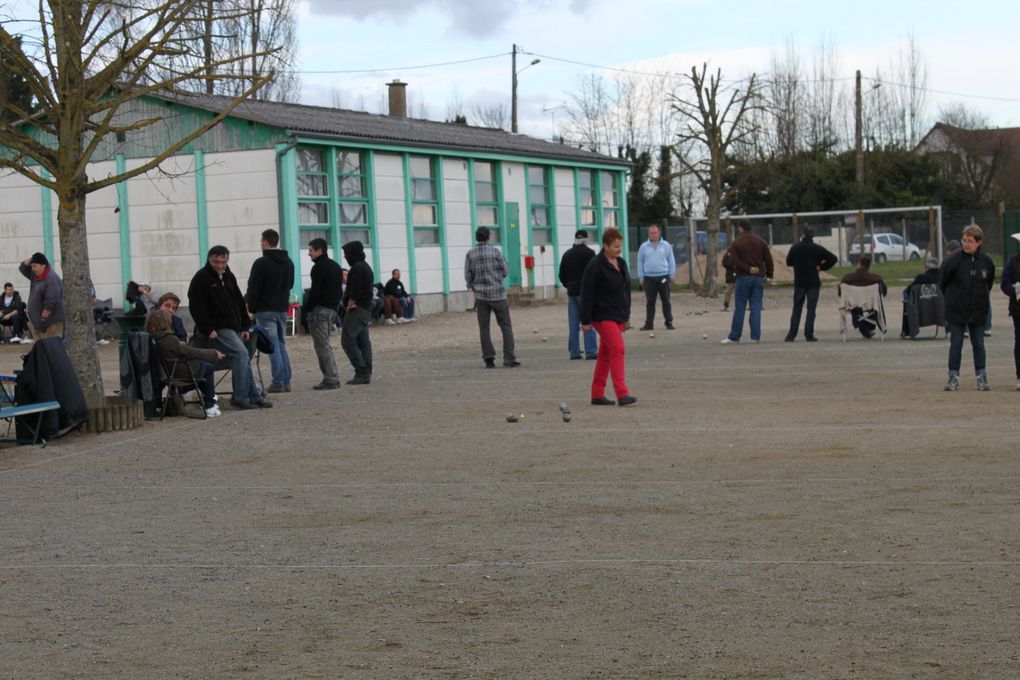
(394, 288)
(141, 296)
(807, 259)
(929, 277)
(268, 298)
(171, 303)
(966, 278)
(10, 312)
(656, 270)
(45, 297)
(605, 304)
(572, 266)
(1010, 287)
(322, 302)
(752, 263)
(357, 303)
(866, 322)
(484, 271)
(730, 278)
(200, 361)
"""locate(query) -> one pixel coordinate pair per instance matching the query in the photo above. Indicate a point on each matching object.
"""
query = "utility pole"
(859, 148)
(513, 90)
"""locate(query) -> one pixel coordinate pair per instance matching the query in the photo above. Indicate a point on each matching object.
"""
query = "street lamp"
(513, 86)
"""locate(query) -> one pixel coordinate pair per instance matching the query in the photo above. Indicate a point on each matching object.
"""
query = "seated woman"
(169, 348)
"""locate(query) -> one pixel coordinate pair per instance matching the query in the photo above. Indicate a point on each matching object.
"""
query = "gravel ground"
(781, 510)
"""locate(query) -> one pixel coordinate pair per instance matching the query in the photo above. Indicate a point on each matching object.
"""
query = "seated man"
(200, 361)
(395, 288)
(865, 322)
(930, 275)
(170, 302)
(10, 312)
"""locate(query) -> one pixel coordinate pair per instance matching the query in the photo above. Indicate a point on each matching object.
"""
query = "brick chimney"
(398, 98)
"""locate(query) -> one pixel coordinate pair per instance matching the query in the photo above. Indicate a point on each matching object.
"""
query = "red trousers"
(611, 360)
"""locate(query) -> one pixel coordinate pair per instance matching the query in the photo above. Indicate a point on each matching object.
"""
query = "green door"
(512, 243)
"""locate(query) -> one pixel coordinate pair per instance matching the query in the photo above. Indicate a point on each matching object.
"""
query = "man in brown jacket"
(752, 261)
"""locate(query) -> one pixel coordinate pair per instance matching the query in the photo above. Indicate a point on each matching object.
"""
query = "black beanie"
(39, 258)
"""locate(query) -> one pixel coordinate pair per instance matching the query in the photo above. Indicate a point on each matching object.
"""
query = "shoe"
(575, 358)
(790, 338)
(391, 322)
(213, 411)
(953, 383)
(490, 363)
(647, 327)
(243, 405)
(754, 342)
(25, 341)
(727, 341)
(276, 389)
(102, 342)
(1018, 385)
(359, 380)
(402, 320)
(982, 382)
(988, 334)
(262, 403)
(627, 400)
(811, 338)
(670, 327)
(15, 340)
(511, 364)
(602, 401)
(725, 308)
(326, 386)
(593, 357)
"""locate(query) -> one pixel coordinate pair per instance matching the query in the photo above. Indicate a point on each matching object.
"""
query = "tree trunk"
(79, 322)
(708, 286)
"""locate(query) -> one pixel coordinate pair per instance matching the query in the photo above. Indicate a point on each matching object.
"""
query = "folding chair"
(106, 325)
(176, 375)
(866, 299)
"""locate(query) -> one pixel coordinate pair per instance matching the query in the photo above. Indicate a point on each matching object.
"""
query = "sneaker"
(391, 322)
(213, 411)
(647, 327)
(988, 334)
(727, 341)
(512, 364)
(102, 342)
(602, 401)
(402, 320)
(982, 382)
(15, 340)
(25, 341)
(953, 383)
(627, 400)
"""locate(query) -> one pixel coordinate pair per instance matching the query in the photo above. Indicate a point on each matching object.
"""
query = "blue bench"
(9, 413)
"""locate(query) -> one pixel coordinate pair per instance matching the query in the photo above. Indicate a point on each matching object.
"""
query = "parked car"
(885, 247)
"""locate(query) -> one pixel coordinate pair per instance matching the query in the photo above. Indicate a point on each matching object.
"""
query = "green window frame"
(312, 188)
(610, 202)
(587, 209)
(540, 208)
(485, 178)
(353, 205)
(424, 200)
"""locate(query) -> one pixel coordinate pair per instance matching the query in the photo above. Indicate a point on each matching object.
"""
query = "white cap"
(1016, 236)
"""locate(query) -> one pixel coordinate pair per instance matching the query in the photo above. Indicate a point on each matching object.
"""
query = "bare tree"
(824, 110)
(493, 115)
(88, 62)
(911, 91)
(716, 119)
(588, 112)
(785, 93)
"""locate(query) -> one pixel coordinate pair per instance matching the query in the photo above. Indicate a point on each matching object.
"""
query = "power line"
(404, 68)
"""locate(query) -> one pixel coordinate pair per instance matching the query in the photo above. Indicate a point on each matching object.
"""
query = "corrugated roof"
(382, 129)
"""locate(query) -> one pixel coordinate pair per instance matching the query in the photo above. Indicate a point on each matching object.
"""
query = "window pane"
(310, 234)
(363, 235)
(485, 193)
(348, 162)
(309, 160)
(483, 172)
(587, 197)
(608, 198)
(313, 213)
(311, 185)
(537, 195)
(352, 187)
(539, 217)
(424, 215)
(584, 179)
(610, 219)
(494, 235)
(485, 216)
(588, 218)
(426, 237)
(353, 213)
(424, 190)
(420, 167)
(542, 237)
(536, 175)
(896, 240)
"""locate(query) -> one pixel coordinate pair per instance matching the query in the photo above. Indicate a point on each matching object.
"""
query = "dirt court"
(781, 510)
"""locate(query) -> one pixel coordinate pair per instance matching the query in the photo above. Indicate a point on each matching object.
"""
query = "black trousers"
(657, 287)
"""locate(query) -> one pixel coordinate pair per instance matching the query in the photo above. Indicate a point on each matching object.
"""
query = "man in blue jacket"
(656, 268)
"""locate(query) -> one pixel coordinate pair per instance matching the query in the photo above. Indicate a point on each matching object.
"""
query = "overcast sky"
(969, 48)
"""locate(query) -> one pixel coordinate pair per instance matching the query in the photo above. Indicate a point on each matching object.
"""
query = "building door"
(512, 243)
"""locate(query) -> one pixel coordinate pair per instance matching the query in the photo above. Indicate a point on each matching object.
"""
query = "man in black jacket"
(572, 266)
(966, 278)
(269, 285)
(217, 307)
(358, 303)
(322, 303)
(807, 259)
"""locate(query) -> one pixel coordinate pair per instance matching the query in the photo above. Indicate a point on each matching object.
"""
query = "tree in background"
(637, 194)
(716, 119)
(661, 203)
(15, 95)
(87, 64)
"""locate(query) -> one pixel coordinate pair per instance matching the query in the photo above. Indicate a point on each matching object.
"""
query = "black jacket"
(965, 281)
(359, 285)
(807, 258)
(216, 302)
(572, 266)
(1010, 277)
(270, 281)
(326, 281)
(15, 305)
(395, 287)
(605, 292)
(48, 376)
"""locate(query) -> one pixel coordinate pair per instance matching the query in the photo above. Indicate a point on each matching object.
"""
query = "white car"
(885, 247)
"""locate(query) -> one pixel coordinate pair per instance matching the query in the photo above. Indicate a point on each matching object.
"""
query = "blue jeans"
(206, 383)
(977, 344)
(230, 343)
(591, 348)
(407, 303)
(279, 360)
(749, 288)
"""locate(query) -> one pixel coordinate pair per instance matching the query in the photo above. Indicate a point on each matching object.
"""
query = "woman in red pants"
(605, 304)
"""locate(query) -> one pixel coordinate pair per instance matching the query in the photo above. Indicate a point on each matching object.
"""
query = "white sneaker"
(15, 340)
(213, 411)
(102, 342)
(727, 341)
(26, 341)
(391, 322)
(402, 320)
